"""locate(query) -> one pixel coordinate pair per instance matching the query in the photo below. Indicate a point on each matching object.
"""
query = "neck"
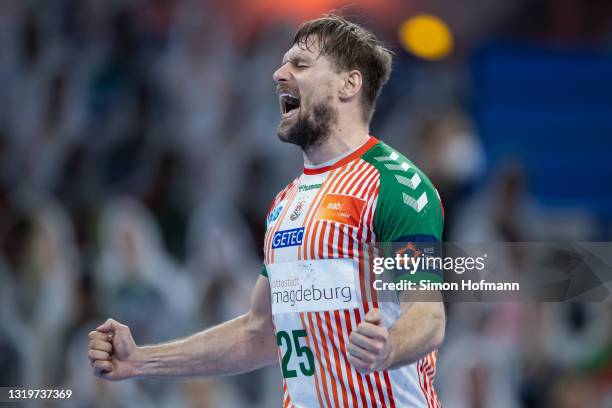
(344, 138)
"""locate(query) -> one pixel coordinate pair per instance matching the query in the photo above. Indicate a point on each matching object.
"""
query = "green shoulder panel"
(408, 210)
(408, 204)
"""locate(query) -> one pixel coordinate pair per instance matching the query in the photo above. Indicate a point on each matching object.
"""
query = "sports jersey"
(321, 232)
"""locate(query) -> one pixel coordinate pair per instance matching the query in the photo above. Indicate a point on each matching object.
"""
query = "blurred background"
(138, 157)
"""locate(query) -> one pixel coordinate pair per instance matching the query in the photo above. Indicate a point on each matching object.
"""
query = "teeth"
(286, 99)
(288, 95)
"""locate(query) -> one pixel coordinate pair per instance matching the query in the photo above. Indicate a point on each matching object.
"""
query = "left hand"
(369, 347)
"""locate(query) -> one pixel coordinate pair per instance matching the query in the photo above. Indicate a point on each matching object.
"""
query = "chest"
(320, 217)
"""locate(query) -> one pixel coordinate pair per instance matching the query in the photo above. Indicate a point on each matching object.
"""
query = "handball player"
(313, 309)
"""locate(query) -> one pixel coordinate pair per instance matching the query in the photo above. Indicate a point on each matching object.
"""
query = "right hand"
(112, 351)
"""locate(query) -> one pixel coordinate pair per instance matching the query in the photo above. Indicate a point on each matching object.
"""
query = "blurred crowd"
(138, 158)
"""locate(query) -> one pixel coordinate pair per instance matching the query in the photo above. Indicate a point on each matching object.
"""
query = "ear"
(351, 84)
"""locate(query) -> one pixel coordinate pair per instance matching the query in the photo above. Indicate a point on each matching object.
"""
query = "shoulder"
(279, 199)
(400, 179)
(405, 192)
(281, 195)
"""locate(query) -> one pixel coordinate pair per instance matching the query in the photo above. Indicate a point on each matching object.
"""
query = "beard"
(311, 131)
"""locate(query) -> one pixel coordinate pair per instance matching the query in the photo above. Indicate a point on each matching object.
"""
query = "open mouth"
(289, 104)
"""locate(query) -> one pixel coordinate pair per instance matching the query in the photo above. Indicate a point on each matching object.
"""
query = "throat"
(330, 153)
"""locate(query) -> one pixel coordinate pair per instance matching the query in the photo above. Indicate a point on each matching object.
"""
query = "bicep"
(427, 311)
(261, 306)
(429, 308)
(429, 302)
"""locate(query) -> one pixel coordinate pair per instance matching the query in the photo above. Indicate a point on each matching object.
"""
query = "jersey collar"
(354, 155)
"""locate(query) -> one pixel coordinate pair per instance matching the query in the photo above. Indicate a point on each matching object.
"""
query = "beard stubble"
(310, 132)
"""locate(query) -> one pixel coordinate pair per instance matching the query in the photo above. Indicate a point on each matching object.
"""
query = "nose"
(282, 74)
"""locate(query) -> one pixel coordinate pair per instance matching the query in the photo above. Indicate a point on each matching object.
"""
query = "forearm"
(418, 331)
(239, 345)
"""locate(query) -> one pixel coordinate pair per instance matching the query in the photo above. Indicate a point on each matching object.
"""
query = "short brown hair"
(350, 46)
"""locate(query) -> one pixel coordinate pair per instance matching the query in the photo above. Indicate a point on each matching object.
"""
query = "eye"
(302, 66)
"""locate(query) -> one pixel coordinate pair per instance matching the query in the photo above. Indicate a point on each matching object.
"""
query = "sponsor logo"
(287, 238)
(341, 208)
(312, 293)
(275, 213)
(313, 285)
(410, 250)
(308, 187)
(297, 210)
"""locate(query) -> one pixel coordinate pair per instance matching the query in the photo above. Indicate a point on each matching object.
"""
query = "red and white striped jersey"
(321, 232)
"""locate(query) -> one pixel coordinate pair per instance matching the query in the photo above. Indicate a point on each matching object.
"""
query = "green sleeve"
(408, 214)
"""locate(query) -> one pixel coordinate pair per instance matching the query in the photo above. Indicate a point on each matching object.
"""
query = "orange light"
(427, 37)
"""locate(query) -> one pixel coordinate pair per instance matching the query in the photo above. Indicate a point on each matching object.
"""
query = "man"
(313, 308)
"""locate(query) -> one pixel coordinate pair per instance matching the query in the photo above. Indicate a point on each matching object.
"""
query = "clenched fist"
(112, 351)
(369, 347)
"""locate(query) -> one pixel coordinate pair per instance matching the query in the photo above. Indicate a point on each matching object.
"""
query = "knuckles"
(100, 345)
(362, 326)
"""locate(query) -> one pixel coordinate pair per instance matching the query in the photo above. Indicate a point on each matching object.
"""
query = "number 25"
(299, 350)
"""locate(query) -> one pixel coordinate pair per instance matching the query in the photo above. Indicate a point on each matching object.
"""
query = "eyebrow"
(294, 59)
